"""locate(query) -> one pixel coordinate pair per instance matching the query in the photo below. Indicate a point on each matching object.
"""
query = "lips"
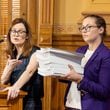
(15, 38)
(85, 35)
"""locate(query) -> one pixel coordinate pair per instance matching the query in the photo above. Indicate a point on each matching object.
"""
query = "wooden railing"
(15, 104)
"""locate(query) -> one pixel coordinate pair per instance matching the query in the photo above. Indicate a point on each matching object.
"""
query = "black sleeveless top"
(34, 87)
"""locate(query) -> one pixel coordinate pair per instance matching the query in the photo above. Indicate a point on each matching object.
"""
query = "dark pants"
(32, 104)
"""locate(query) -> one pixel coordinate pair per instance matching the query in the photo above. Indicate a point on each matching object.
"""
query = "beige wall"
(68, 13)
(66, 16)
(96, 5)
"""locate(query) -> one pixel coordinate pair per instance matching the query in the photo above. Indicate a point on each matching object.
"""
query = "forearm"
(24, 78)
(28, 73)
(6, 75)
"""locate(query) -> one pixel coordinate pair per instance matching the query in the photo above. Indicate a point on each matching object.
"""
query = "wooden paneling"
(45, 26)
(23, 8)
(45, 22)
(3, 57)
(58, 92)
(15, 104)
(45, 37)
(39, 13)
(72, 42)
(67, 42)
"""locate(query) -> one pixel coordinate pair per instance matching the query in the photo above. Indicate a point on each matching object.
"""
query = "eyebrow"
(19, 29)
(89, 25)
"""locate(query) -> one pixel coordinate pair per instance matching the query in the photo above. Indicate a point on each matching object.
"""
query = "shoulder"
(82, 49)
(35, 48)
(104, 51)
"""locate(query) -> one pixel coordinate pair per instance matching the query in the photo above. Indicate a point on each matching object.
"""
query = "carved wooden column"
(45, 27)
(32, 18)
(45, 22)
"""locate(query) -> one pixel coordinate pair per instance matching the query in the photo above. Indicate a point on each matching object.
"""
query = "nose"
(17, 34)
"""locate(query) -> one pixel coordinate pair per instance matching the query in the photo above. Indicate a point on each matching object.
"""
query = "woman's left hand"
(13, 92)
(73, 75)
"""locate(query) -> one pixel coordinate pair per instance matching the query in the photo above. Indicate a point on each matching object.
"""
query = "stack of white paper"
(55, 61)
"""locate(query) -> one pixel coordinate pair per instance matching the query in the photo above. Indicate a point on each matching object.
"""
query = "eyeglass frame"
(87, 28)
(19, 32)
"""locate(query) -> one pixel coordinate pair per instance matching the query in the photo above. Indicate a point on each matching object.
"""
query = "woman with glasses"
(94, 84)
(21, 68)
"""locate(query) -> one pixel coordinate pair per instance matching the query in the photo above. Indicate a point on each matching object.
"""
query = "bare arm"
(11, 64)
(28, 73)
(5, 75)
(13, 91)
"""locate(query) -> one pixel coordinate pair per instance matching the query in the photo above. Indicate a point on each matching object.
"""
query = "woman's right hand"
(13, 92)
(12, 63)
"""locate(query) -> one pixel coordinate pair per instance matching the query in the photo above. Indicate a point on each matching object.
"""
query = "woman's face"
(18, 34)
(90, 31)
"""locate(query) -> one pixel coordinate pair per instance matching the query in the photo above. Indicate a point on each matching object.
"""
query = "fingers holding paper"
(73, 75)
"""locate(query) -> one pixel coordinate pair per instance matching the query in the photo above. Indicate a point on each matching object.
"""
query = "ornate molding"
(45, 35)
(65, 29)
(101, 1)
(45, 22)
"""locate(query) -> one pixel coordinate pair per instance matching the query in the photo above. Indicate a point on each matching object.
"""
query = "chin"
(86, 39)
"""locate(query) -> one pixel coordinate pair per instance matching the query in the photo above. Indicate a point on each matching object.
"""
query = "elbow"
(103, 95)
(3, 81)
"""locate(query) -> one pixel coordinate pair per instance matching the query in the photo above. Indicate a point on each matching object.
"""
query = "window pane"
(3, 16)
(15, 9)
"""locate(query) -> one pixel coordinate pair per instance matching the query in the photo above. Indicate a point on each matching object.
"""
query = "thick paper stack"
(55, 62)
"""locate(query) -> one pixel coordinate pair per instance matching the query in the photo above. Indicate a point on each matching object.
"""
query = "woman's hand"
(13, 92)
(12, 63)
(73, 75)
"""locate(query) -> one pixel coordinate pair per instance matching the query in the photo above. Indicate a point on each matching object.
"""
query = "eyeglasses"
(19, 32)
(86, 28)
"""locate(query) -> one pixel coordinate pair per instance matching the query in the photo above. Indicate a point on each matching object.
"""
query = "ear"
(101, 30)
(27, 37)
